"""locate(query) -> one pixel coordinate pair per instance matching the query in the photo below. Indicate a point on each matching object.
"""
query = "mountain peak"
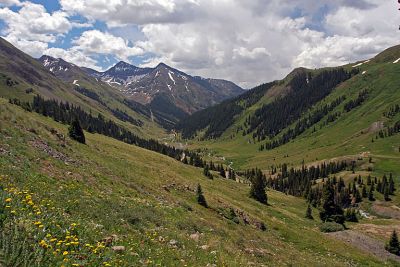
(163, 65)
(123, 66)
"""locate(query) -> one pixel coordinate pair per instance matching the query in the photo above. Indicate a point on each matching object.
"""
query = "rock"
(173, 242)
(118, 248)
(195, 237)
(204, 247)
(109, 240)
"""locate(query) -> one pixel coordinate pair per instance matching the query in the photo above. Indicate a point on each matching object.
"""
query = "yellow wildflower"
(8, 200)
(65, 253)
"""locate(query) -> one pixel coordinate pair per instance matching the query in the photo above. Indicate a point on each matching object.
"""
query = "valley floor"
(131, 207)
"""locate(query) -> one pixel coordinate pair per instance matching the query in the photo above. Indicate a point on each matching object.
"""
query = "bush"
(330, 227)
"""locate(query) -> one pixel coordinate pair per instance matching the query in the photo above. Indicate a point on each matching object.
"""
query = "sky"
(246, 41)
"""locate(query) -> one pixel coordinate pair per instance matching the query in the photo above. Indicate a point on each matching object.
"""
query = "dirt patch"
(365, 243)
(391, 211)
(375, 126)
(380, 231)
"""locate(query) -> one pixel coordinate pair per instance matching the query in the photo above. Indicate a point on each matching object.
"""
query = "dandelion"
(65, 253)
(13, 212)
(7, 207)
(8, 200)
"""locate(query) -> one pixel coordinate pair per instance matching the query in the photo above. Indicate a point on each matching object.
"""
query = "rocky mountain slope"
(186, 92)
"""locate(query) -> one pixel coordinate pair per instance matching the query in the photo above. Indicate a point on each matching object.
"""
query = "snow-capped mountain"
(186, 92)
(165, 92)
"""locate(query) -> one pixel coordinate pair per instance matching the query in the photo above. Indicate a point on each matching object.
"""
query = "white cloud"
(10, 3)
(33, 25)
(97, 42)
(120, 12)
(248, 42)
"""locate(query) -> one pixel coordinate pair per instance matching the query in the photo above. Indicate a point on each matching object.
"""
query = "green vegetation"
(142, 207)
(330, 227)
(393, 246)
(134, 201)
(75, 132)
(200, 197)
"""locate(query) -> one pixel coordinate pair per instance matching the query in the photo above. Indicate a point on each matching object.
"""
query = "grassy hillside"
(61, 192)
(22, 77)
(350, 134)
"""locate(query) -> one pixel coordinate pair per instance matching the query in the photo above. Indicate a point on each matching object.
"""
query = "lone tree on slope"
(257, 190)
(75, 132)
(393, 246)
(200, 197)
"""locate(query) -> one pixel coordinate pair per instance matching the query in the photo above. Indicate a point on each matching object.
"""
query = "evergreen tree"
(330, 210)
(351, 216)
(200, 197)
(386, 194)
(393, 246)
(75, 132)
(371, 194)
(364, 192)
(309, 213)
(257, 190)
(391, 184)
(206, 171)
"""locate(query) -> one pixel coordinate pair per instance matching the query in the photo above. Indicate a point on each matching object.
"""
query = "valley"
(129, 194)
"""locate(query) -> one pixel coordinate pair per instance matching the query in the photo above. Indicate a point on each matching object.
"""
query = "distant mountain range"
(186, 92)
(146, 85)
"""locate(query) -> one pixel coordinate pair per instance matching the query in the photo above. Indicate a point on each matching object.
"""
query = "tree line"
(272, 118)
(67, 113)
(221, 116)
(302, 125)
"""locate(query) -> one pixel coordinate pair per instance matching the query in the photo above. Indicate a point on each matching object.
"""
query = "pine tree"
(371, 194)
(351, 216)
(386, 193)
(393, 246)
(364, 192)
(75, 132)
(391, 184)
(330, 210)
(257, 190)
(200, 197)
(206, 172)
(309, 213)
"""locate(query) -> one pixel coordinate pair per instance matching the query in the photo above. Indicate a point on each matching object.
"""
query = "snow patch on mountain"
(170, 76)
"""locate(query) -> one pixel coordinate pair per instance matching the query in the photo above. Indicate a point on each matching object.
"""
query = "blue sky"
(248, 42)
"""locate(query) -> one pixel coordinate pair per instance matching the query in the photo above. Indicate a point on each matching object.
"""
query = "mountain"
(271, 111)
(166, 84)
(325, 142)
(22, 77)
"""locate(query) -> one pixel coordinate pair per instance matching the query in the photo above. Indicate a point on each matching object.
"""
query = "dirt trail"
(365, 243)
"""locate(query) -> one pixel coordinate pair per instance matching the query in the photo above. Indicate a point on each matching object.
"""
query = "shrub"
(330, 227)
